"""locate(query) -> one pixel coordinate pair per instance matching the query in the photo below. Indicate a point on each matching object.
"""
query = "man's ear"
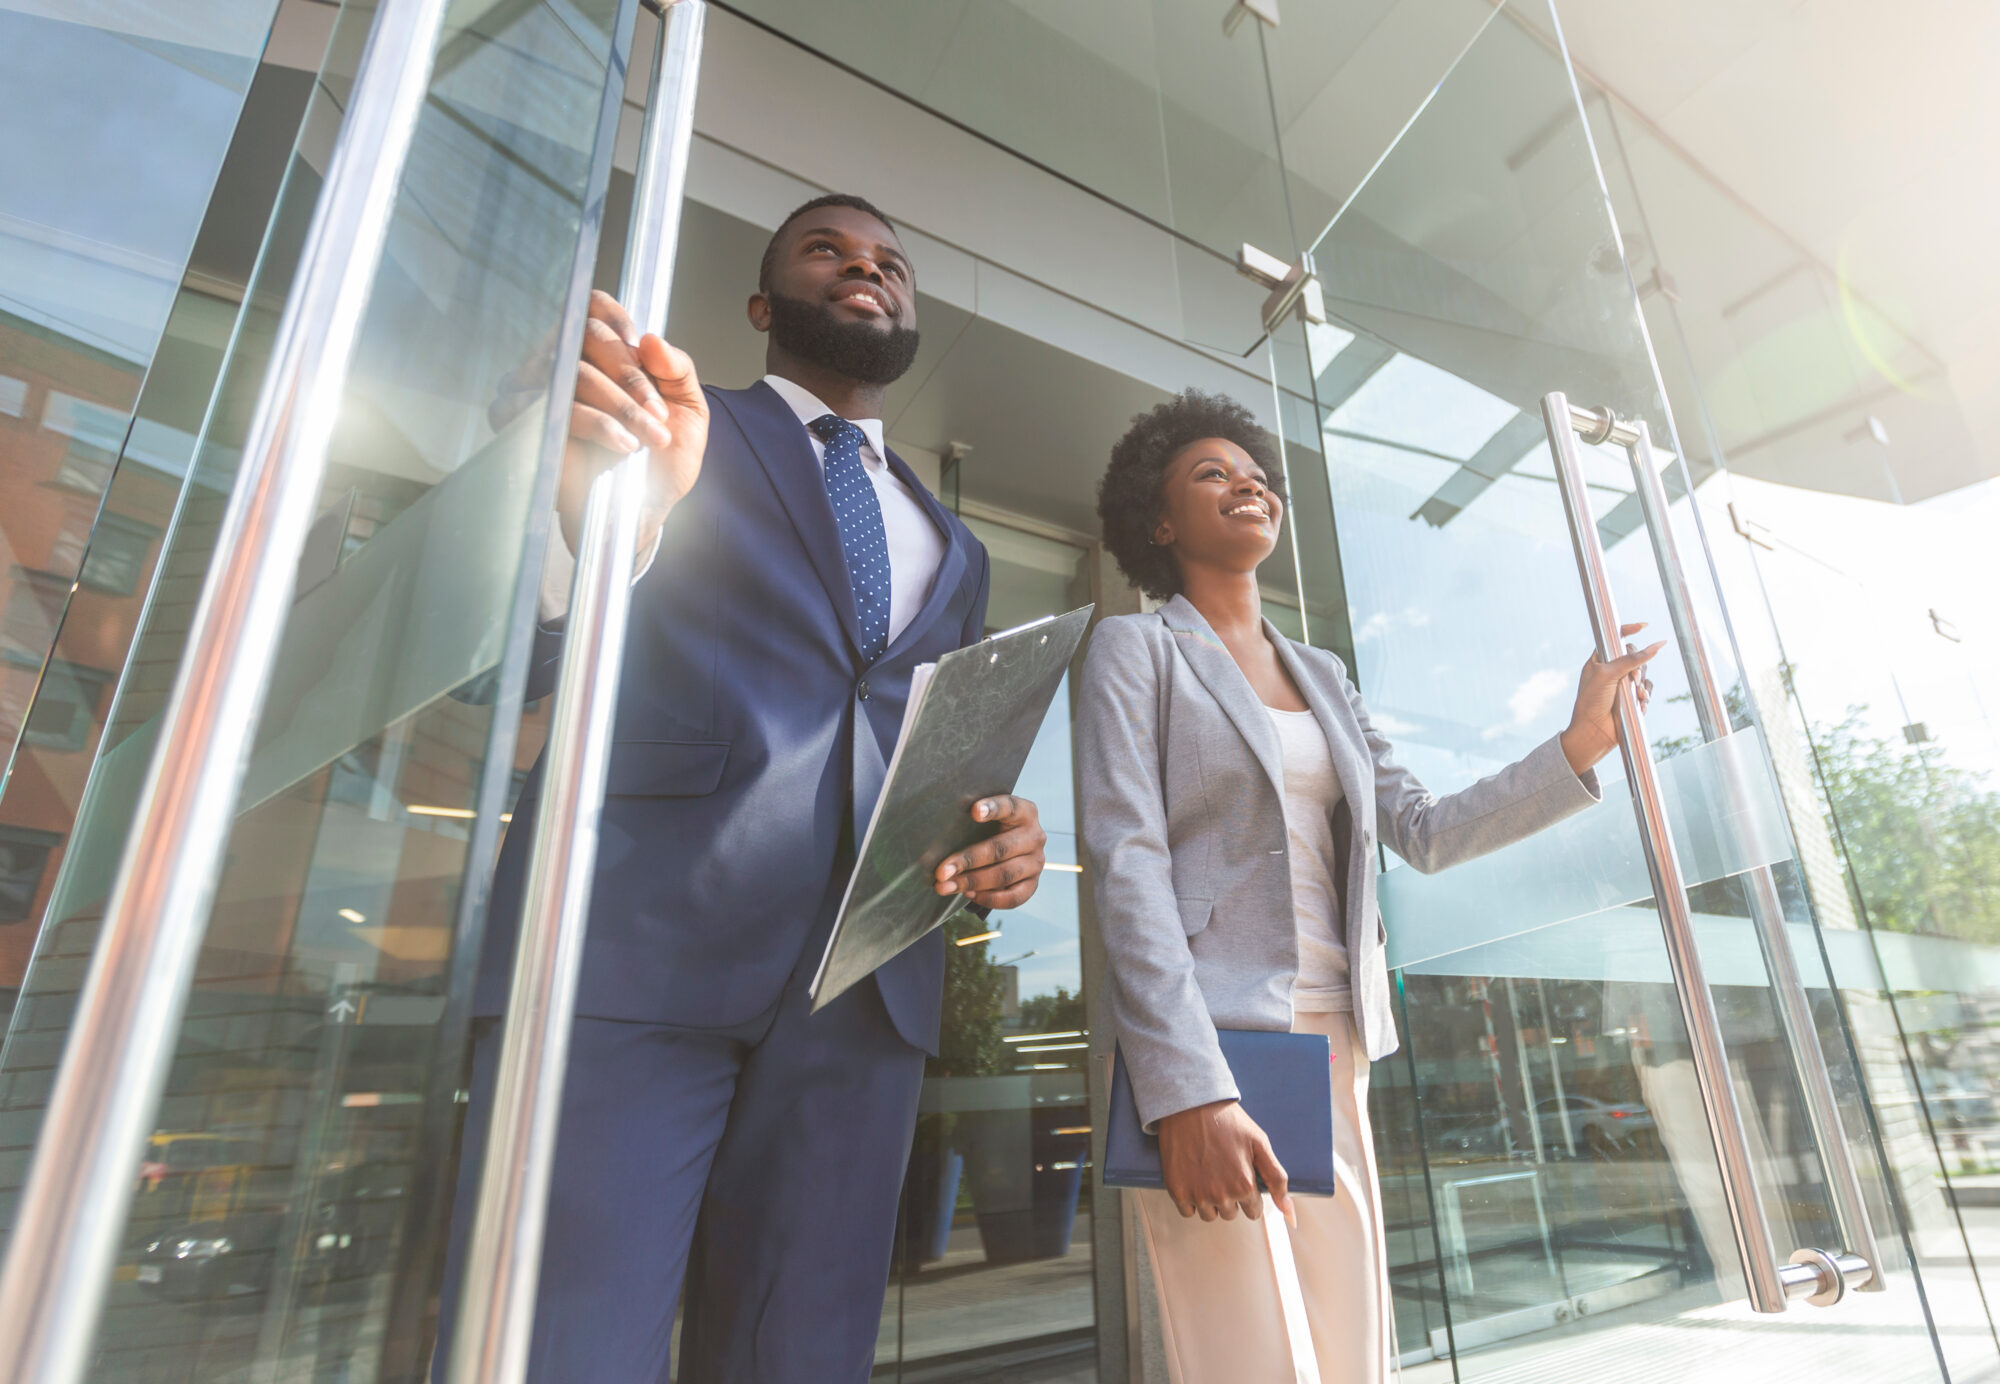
(758, 310)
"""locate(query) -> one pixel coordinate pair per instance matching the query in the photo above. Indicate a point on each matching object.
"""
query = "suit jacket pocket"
(665, 768)
(1195, 914)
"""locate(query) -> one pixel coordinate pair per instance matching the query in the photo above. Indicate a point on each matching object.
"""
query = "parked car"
(212, 1258)
(349, 1229)
(1602, 1129)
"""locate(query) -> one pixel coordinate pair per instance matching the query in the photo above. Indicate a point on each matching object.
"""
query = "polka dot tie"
(862, 538)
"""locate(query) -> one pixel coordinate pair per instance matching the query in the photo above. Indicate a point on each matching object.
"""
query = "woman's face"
(1216, 509)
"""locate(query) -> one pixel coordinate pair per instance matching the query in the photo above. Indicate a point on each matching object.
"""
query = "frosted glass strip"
(1726, 818)
(1623, 944)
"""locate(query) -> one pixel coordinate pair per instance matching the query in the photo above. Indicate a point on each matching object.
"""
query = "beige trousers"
(1219, 1308)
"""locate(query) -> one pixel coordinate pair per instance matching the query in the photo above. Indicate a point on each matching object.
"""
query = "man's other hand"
(633, 390)
(1002, 871)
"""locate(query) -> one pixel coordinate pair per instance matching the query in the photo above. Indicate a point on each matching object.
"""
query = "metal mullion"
(115, 1065)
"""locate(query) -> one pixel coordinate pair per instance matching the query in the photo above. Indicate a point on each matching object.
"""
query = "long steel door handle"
(504, 1247)
(1754, 1246)
(1820, 1276)
(1767, 912)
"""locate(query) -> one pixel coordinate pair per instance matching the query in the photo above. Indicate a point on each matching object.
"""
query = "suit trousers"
(1218, 1294)
(761, 1165)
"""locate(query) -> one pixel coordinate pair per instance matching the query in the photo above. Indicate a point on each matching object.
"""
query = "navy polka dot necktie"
(862, 537)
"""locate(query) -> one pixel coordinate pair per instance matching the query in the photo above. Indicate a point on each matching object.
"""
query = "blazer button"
(861, 689)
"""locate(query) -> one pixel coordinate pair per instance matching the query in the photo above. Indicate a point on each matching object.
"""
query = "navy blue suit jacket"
(750, 738)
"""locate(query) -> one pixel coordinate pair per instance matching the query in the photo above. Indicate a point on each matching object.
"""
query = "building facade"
(1470, 225)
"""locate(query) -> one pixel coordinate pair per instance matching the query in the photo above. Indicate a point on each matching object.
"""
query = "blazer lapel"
(783, 449)
(1216, 667)
(950, 568)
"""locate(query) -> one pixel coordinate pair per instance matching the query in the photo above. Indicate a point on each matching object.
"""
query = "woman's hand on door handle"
(1593, 724)
(1212, 1156)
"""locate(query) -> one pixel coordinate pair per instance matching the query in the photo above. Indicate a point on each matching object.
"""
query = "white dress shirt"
(916, 547)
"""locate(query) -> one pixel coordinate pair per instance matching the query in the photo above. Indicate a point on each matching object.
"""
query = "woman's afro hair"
(1129, 496)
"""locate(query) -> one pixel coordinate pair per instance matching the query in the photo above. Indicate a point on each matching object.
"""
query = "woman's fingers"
(1275, 1181)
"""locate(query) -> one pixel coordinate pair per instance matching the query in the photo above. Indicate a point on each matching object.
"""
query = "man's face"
(841, 296)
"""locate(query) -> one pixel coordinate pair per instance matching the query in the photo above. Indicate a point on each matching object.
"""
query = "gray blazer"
(1184, 838)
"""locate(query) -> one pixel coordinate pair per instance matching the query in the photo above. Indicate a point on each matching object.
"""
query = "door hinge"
(1750, 529)
(1294, 287)
(1263, 11)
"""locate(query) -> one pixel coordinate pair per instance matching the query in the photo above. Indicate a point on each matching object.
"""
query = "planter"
(930, 1201)
(1040, 1230)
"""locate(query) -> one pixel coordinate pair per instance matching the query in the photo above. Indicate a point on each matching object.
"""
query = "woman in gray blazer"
(1233, 796)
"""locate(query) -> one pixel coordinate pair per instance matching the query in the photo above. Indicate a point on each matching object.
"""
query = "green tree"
(1056, 1013)
(969, 1044)
(1922, 835)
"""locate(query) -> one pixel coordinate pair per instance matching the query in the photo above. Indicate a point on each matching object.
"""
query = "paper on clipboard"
(971, 719)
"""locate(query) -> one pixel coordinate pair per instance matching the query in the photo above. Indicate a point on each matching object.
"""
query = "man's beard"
(815, 334)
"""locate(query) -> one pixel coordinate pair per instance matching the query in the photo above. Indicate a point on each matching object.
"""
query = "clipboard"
(971, 719)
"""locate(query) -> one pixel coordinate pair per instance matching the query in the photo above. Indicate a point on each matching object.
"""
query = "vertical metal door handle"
(1767, 912)
(121, 1042)
(1754, 1246)
(504, 1248)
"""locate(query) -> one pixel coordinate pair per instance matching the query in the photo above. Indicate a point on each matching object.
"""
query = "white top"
(916, 547)
(1312, 790)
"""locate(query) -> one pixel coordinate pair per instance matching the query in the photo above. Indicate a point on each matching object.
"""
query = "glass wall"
(97, 234)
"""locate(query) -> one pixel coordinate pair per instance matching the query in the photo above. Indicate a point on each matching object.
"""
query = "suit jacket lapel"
(785, 452)
(1216, 667)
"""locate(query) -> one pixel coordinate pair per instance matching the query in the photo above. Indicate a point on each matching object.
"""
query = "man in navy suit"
(794, 574)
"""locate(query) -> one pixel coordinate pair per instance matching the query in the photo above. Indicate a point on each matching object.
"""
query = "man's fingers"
(594, 390)
(672, 371)
(1007, 808)
(1005, 875)
(1023, 840)
(620, 363)
(587, 424)
(608, 310)
(1005, 899)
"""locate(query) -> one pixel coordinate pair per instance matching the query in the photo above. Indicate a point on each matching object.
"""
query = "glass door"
(287, 1189)
(1563, 1080)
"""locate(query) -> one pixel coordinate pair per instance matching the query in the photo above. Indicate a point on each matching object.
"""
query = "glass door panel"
(1887, 698)
(287, 1219)
(1572, 1176)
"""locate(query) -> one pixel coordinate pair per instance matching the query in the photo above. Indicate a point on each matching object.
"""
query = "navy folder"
(1284, 1084)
